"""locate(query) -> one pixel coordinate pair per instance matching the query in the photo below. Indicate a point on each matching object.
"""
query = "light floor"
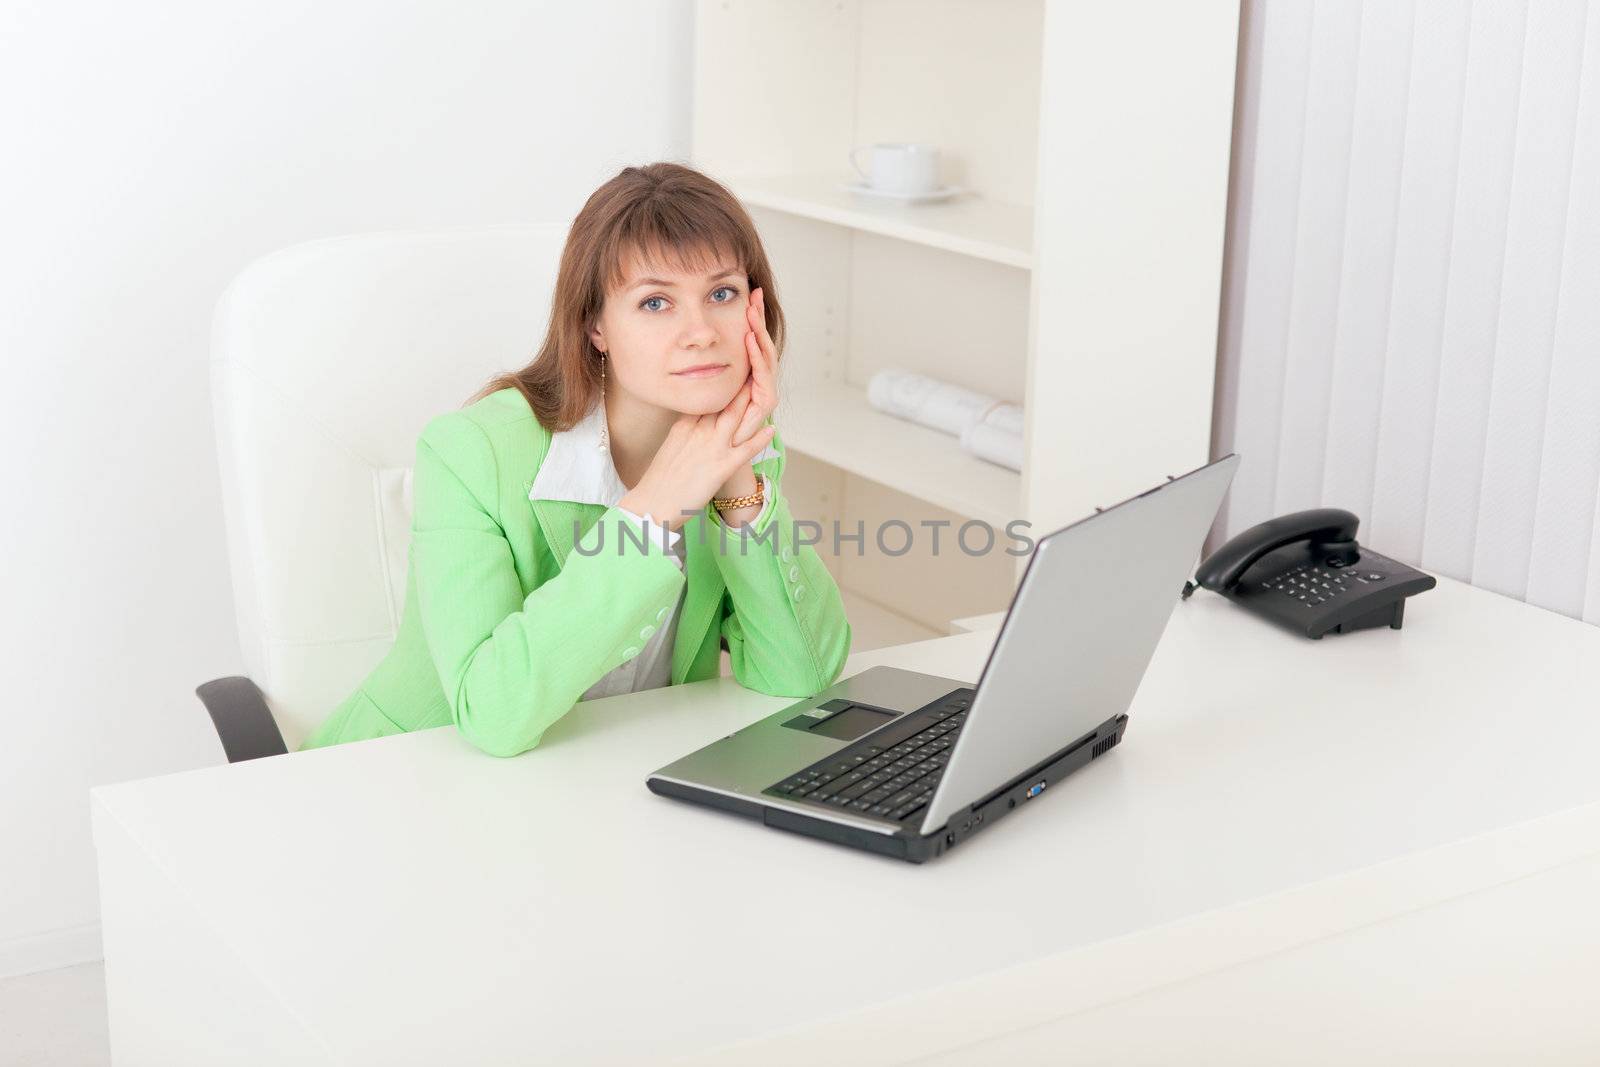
(55, 1018)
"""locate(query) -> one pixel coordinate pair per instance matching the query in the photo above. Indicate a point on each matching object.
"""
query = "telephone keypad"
(1311, 584)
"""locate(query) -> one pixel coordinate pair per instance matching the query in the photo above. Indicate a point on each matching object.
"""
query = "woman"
(610, 517)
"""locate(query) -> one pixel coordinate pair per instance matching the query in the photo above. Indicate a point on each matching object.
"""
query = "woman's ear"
(597, 338)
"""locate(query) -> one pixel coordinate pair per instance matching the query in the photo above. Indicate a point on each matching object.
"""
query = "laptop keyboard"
(892, 772)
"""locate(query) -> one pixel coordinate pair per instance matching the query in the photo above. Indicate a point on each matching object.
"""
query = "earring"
(605, 442)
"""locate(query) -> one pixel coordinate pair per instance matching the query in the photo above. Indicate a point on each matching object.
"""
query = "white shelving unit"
(973, 623)
(966, 224)
(834, 423)
(1078, 275)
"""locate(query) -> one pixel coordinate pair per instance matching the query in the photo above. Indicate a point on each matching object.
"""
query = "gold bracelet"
(730, 503)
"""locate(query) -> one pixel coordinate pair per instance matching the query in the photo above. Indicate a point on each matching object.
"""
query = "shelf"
(875, 626)
(835, 424)
(967, 224)
(973, 623)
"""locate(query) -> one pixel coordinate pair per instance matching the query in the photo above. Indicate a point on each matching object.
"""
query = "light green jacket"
(505, 626)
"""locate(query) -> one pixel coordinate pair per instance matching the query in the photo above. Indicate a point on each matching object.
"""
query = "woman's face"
(676, 340)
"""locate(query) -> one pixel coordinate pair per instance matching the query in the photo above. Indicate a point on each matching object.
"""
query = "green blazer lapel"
(560, 520)
(702, 601)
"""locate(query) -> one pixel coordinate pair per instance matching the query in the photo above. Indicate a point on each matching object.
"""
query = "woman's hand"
(761, 386)
(760, 391)
(701, 454)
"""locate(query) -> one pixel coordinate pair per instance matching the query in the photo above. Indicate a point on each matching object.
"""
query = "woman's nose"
(699, 329)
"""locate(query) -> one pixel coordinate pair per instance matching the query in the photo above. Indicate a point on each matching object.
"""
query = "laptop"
(910, 765)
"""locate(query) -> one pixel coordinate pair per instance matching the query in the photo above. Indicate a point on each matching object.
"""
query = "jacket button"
(784, 555)
(794, 573)
(644, 634)
(662, 614)
(630, 652)
(799, 591)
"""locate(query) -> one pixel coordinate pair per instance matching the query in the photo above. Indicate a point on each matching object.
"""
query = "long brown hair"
(671, 216)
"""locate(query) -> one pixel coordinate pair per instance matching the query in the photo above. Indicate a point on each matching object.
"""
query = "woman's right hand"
(697, 458)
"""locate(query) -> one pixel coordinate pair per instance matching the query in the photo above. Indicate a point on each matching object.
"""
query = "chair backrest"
(328, 358)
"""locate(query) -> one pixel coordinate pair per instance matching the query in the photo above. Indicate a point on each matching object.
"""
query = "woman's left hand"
(762, 384)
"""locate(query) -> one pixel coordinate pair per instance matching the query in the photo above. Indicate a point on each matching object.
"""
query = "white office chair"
(328, 358)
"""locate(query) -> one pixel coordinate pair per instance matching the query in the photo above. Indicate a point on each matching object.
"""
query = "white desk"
(410, 900)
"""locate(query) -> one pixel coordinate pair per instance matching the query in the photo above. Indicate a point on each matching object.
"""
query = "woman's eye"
(731, 290)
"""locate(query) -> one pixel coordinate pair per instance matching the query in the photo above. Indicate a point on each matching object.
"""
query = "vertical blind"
(1411, 314)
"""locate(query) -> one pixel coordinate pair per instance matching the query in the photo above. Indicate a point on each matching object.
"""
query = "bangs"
(665, 237)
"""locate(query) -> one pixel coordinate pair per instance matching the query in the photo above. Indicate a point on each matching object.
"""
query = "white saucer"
(944, 192)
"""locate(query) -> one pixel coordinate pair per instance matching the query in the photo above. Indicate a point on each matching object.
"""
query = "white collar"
(576, 468)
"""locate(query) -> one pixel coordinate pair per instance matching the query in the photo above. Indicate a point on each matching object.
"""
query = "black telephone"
(1305, 571)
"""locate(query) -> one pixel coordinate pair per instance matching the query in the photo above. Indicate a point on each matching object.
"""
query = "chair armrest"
(243, 721)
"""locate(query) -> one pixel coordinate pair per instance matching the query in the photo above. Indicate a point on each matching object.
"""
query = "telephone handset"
(1306, 571)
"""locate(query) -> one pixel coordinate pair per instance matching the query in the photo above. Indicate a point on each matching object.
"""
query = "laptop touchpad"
(849, 723)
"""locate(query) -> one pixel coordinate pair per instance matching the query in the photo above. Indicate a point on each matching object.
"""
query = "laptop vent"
(1104, 745)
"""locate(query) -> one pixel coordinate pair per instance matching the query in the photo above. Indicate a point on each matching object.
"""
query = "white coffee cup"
(897, 167)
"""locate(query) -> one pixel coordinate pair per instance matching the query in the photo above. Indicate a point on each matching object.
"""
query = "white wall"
(1412, 322)
(147, 152)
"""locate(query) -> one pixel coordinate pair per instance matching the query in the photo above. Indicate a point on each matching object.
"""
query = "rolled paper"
(927, 401)
(1003, 416)
(994, 443)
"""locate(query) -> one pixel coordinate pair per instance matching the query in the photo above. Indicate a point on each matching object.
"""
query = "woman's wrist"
(640, 505)
(742, 483)
(745, 484)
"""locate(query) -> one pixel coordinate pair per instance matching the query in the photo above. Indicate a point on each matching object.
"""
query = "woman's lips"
(708, 370)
